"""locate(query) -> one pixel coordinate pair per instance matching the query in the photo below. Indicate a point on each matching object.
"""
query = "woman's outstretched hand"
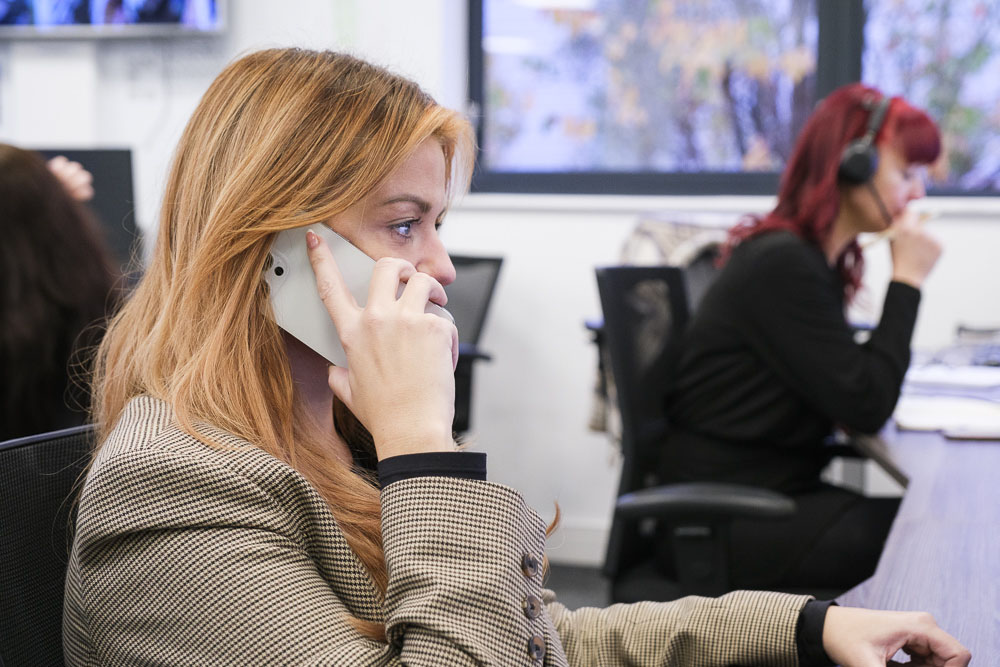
(856, 637)
(400, 380)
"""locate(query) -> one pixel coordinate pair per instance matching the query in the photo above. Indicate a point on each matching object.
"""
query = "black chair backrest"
(470, 295)
(37, 478)
(700, 273)
(645, 312)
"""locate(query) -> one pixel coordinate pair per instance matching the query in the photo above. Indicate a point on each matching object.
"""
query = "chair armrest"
(844, 451)
(704, 499)
(470, 352)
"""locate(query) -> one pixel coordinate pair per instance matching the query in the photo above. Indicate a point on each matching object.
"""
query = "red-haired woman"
(770, 367)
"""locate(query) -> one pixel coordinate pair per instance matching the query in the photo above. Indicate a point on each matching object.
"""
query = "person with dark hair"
(58, 285)
(769, 366)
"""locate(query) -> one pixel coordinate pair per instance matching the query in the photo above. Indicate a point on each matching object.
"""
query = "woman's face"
(401, 217)
(897, 183)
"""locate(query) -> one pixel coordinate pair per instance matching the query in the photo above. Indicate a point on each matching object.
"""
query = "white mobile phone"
(295, 299)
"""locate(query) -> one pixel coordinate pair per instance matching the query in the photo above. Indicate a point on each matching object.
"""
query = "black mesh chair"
(645, 310)
(37, 478)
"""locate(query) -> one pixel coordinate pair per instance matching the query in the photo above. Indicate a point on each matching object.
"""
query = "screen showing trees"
(707, 96)
(718, 85)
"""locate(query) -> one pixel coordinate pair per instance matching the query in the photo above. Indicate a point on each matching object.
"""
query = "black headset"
(859, 160)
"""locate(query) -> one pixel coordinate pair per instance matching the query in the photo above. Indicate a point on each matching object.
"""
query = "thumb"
(337, 378)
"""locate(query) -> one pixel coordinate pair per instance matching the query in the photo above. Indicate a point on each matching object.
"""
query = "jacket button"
(529, 565)
(536, 647)
(532, 607)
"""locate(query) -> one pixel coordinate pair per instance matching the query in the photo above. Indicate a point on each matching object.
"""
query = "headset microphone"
(859, 160)
(881, 204)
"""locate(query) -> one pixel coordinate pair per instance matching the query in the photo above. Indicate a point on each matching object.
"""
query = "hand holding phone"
(295, 299)
(400, 383)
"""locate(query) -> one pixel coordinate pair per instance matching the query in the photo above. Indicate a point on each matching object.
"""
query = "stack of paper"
(954, 416)
(943, 376)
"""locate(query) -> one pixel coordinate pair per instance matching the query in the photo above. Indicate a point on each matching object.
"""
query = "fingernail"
(311, 239)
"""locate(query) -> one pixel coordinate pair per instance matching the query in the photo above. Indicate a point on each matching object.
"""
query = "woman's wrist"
(906, 278)
(415, 442)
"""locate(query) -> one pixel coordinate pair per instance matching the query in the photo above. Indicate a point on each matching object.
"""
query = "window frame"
(840, 23)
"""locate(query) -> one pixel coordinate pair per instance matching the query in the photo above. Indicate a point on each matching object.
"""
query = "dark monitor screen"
(114, 197)
(470, 294)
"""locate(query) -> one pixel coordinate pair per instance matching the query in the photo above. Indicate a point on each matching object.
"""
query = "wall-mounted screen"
(109, 18)
(642, 96)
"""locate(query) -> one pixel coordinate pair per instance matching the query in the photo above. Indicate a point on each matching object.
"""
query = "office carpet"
(578, 586)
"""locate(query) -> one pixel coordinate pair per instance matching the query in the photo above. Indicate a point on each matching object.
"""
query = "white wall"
(532, 401)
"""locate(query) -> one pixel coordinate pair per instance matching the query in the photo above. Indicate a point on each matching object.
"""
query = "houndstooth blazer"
(186, 554)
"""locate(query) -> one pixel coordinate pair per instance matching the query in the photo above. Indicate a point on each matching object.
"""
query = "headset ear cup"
(858, 163)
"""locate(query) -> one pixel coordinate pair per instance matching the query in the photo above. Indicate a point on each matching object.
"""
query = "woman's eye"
(403, 228)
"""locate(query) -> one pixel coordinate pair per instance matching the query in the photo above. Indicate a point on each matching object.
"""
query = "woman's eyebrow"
(421, 203)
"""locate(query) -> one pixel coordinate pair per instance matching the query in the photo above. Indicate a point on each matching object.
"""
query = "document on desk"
(957, 417)
(944, 376)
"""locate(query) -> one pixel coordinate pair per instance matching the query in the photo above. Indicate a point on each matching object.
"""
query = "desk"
(943, 552)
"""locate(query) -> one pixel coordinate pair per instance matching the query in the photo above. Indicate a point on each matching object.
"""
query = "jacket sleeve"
(795, 322)
(739, 628)
(182, 561)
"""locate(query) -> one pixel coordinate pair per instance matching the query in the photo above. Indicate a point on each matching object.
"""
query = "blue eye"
(404, 228)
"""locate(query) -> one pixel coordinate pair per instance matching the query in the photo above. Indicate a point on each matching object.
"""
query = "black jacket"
(770, 366)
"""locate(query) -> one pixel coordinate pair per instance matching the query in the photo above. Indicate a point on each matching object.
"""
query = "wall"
(532, 402)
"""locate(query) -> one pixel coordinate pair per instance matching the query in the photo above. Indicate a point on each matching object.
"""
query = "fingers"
(928, 644)
(339, 380)
(454, 347)
(388, 273)
(76, 180)
(943, 646)
(420, 289)
(863, 638)
(910, 220)
(329, 282)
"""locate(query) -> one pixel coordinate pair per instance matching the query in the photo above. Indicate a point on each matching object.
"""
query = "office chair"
(699, 274)
(645, 311)
(37, 476)
(469, 298)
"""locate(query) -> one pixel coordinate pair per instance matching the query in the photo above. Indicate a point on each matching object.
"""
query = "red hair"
(809, 193)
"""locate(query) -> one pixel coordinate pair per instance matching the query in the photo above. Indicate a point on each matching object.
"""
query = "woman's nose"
(436, 262)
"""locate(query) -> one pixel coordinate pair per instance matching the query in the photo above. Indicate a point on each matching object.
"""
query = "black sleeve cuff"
(809, 634)
(905, 292)
(464, 465)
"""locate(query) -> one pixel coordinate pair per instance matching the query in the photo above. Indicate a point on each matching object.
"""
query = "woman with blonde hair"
(228, 516)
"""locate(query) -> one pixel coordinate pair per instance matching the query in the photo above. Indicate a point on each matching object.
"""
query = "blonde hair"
(282, 138)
